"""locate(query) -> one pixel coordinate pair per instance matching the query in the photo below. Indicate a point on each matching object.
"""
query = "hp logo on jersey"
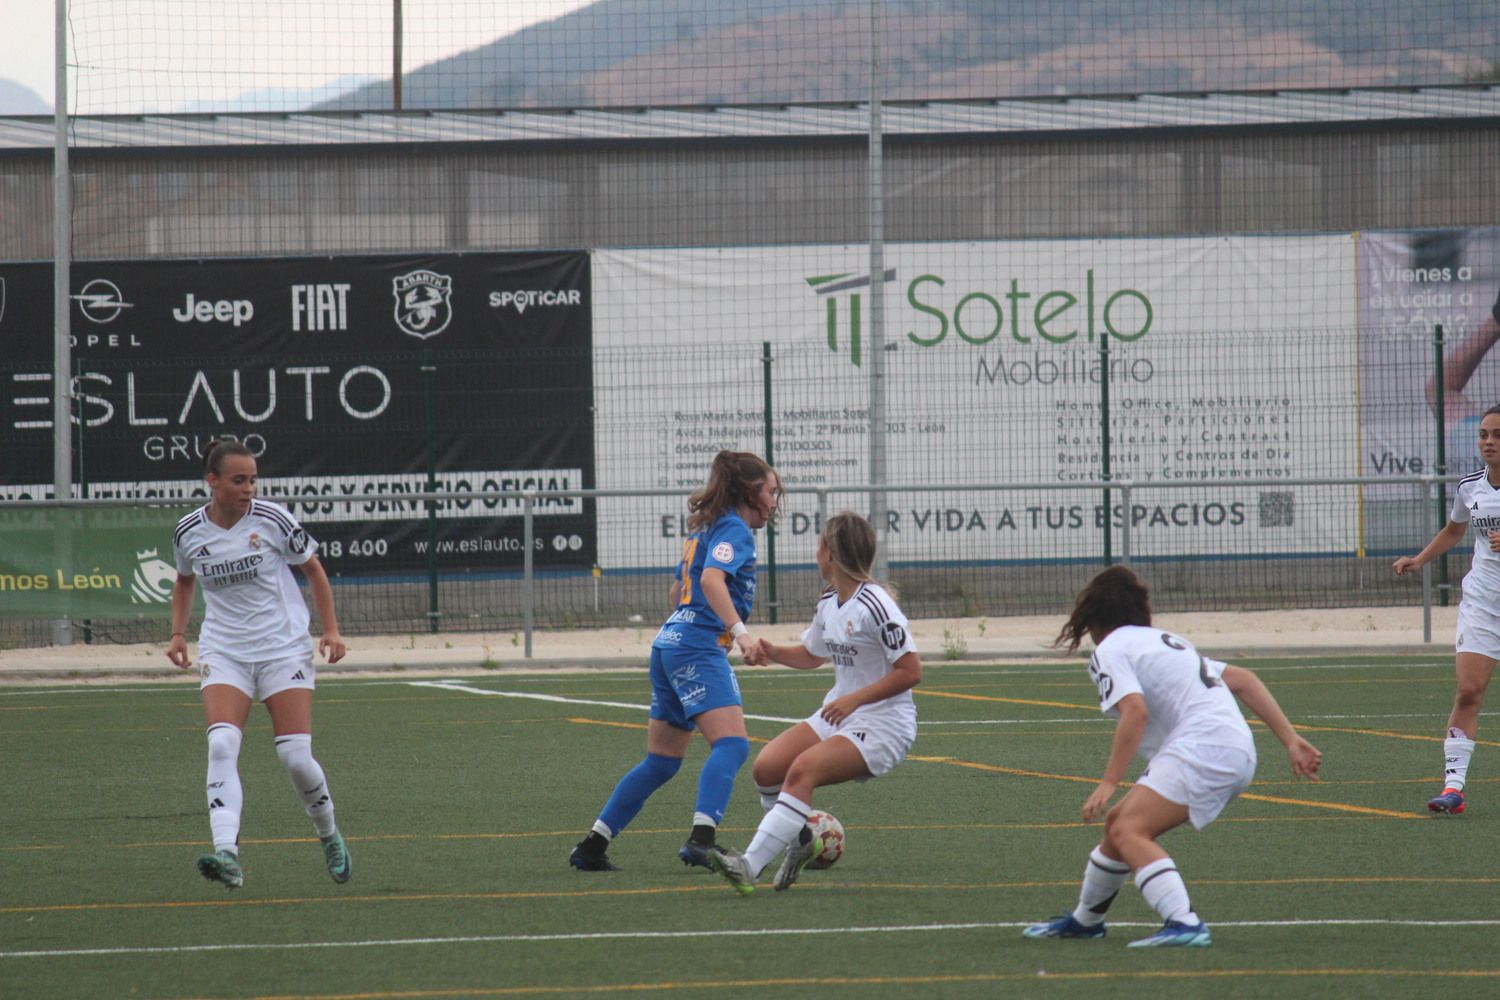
(893, 635)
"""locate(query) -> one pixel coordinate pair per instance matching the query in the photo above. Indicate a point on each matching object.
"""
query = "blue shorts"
(688, 682)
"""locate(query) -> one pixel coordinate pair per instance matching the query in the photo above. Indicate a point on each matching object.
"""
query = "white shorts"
(259, 680)
(1477, 631)
(881, 740)
(1202, 777)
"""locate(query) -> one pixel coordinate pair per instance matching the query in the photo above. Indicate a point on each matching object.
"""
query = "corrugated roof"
(1063, 114)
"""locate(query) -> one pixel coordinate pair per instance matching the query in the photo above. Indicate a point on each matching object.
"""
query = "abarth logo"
(422, 306)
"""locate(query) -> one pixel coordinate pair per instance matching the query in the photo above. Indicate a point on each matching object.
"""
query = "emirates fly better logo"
(829, 284)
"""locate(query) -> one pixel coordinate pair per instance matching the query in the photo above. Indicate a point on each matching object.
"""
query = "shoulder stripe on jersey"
(872, 602)
(187, 524)
(273, 515)
(1479, 474)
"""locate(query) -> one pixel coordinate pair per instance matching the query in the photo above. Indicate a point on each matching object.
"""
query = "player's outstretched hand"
(332, 646)
(1305, 758)
(749, 649)
(1405, 564)
(177, 652)
(1097, 804)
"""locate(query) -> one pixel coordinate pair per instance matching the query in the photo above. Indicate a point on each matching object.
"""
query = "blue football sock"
(636, 787)
(716, 781)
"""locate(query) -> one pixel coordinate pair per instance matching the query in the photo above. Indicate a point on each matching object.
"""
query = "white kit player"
(867, 722)
(253, 645)
(1177, 710)
(1477, 643)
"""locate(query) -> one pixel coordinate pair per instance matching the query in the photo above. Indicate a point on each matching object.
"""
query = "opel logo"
(100, 301)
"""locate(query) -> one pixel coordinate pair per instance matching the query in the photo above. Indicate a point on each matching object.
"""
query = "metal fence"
(1115, 519)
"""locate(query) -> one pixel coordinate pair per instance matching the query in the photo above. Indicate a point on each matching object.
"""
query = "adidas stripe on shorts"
(261, 679)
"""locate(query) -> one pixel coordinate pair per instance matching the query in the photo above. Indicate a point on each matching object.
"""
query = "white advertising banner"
(994, 373)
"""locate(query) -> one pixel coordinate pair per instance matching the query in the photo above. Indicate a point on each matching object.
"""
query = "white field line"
(673, 934)
(560, 699)
(534, 696)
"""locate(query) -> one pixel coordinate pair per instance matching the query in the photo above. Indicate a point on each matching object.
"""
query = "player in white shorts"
(1177, 710)
(1476, 503)
(253, 645)
(867, 722)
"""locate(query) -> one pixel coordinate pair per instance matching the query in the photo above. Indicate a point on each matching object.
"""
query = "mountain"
(275, 98)
(623, 53)
(18, 99)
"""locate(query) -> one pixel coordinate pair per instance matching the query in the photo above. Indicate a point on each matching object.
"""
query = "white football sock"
(1103, 877)
(1457, 751)
(778, 829)
(295, 751)
(1165, 891)
(768, 795)
(226, 796)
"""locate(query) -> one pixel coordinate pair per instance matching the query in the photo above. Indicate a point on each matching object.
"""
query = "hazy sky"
(163, 55)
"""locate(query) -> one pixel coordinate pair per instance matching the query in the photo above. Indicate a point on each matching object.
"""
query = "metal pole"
(765, 378)
(1125, 524)
(62, 256)
(878, 474)
(1440, 415)
(528, 569)
(1104, 438)
(1426, 582)
(396, 41)
(429, 406)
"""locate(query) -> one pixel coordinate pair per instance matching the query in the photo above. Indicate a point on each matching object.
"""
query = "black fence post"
(429, 430)
(765, 379)
(1104, 444)
(1439, 413)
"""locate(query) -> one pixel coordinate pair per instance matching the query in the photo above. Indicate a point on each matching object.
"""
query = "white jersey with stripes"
(863, 637)
(254, 611)
(1187, 703)
(1477, 504)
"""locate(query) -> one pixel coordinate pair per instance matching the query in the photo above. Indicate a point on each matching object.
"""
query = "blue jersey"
(726, 545)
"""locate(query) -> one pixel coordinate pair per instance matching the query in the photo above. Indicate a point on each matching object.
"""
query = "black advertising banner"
(347, 377)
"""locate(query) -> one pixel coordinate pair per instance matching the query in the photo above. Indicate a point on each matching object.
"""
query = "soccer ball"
(828, 837)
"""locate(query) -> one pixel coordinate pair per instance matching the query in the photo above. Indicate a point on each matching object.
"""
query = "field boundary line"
(723, 932)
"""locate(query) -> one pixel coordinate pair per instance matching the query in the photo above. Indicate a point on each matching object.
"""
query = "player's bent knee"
(661, 768)
(224, 742)
(733, 749)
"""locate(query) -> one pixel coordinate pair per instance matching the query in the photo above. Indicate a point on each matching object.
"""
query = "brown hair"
(217, 450)
(1113, 598)
(851, 544)
(733, 479)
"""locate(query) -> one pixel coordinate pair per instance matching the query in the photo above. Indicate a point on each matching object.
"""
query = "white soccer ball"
(828, 838)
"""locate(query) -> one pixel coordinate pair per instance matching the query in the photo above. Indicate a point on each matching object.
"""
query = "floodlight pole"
(62, 254)
(876, 352)
(396, 41)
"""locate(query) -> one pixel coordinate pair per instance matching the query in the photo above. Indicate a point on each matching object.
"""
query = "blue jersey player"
(692, 684)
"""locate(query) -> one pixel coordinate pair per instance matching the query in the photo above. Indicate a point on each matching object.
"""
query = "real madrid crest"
(422, 306)
(254, 540)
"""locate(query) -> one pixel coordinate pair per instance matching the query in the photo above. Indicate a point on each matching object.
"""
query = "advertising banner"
(87, 563)
(1414, 288)
(348, 378)
(1227, 358)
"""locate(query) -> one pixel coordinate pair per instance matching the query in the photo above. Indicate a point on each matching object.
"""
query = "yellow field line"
(532, 834)
(1382, 732)
(1020, 772)
(705, 985)
(1006, 701)
(715, 887)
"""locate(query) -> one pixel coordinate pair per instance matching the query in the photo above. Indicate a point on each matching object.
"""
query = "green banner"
(100, 562)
